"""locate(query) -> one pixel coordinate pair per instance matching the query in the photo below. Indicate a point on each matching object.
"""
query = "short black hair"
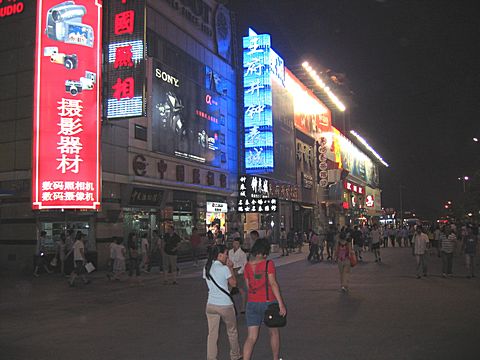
(261, 247)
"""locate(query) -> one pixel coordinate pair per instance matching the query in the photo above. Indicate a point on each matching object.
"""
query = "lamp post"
(464, 179)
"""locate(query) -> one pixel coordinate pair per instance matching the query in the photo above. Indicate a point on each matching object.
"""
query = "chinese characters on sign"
(254, 195)
(125, 62)
(322, 162)
(260, 64)
(66, 130)
(354, 187)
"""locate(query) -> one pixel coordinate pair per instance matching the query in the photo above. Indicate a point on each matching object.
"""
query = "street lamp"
(463, 179)
(475, 139)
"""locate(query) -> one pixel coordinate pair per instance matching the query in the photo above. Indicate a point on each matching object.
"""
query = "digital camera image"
(64, 23)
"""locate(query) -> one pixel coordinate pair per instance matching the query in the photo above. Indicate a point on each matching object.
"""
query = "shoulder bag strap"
(224, 291)
(266, 278)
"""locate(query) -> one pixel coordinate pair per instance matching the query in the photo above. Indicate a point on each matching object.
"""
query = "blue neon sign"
(260, 62)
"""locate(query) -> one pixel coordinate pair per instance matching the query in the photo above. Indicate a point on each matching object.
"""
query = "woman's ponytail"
(213, 253)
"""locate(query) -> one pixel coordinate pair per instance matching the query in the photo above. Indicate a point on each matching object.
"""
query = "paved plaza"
(388, 314)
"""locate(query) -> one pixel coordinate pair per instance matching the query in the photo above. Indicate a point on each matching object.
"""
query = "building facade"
(168, 145)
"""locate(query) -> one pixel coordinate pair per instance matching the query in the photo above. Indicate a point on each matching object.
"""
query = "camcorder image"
(64, 23)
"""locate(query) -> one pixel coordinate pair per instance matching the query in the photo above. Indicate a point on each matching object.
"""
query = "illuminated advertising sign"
(186, 118)
(260, 65)
(350, 158)
(254, 195)
(11, 8)
(350, 186)
(124, 49)
(312, 117)
(216, 207)
(66, 122)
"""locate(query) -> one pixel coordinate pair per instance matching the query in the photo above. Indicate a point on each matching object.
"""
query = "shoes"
(174, 283)
(87, 282)
(419, 277)
(444, 275)
(36, 275)
(376, 260)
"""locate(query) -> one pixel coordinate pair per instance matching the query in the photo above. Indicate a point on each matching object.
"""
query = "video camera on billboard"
(64, 23)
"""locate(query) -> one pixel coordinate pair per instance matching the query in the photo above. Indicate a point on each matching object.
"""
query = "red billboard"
(66, 123)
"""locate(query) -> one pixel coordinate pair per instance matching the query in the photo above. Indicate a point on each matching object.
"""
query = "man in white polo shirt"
(239, 259)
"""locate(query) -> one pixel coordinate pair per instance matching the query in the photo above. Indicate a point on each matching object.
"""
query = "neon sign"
(66, 128)
(125, 59)
(9, 9)
(260, 64)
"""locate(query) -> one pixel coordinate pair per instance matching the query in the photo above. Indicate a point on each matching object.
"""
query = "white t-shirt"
(239, 259)
(77, 246)
(221, 273)
(144, 246)
(119, 251)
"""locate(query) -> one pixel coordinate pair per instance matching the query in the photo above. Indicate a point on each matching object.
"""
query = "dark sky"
(414, 69)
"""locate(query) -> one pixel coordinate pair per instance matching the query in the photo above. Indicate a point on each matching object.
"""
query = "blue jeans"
(255, 312)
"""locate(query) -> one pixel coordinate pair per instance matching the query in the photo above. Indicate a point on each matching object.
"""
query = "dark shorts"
(79, 267)
(376, 246)
(255, 312)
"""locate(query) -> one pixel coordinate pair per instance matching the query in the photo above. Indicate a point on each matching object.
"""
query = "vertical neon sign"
(260, 62)
(66, 122)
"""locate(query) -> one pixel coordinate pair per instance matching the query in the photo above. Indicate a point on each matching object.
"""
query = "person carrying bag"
(218, 274)
(265, 302)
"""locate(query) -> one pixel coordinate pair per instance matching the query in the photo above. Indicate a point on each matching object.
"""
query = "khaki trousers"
(344, 268)
(227, 314)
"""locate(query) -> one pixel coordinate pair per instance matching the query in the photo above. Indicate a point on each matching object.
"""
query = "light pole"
(463, 179)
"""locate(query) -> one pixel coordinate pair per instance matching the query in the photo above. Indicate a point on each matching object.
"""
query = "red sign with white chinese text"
(354, 187)
(66, 170)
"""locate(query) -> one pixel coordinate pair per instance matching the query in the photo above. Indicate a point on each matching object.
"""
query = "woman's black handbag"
(272, 317)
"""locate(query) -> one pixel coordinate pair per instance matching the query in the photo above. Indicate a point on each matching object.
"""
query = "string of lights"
(369, 148)
(313, 74)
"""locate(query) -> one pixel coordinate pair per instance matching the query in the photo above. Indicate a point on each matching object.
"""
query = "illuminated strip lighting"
(125, 107)
(323, 86)
(137, 50)
(369, 148)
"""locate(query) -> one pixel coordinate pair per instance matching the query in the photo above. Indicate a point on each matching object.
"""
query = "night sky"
(413, 68)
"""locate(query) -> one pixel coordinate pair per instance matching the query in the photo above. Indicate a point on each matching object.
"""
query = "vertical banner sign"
(66, 123)
(258, 119)
(124, 60)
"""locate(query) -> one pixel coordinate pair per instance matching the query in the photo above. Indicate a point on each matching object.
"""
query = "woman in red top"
(258, 299)
(342, 257)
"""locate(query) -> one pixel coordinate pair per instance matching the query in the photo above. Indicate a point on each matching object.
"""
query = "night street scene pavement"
(387, 314)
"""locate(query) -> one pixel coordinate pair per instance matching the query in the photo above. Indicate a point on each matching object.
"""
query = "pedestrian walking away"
(195, 242)
(219, 275)
(376, 237)
(133, 256)
(40, 255)
(447, 247)
(144, 253)
(342, 258)
(79, 259)
(470, 248)
(420, 243)
(257, 272)
(170, 250)
(283, 242)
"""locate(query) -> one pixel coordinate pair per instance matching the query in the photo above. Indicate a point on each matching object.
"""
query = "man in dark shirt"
(358, 242)
(170, 250)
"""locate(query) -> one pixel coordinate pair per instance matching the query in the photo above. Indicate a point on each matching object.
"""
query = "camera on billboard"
(87, 82)
(64, 23)
(70, 61)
